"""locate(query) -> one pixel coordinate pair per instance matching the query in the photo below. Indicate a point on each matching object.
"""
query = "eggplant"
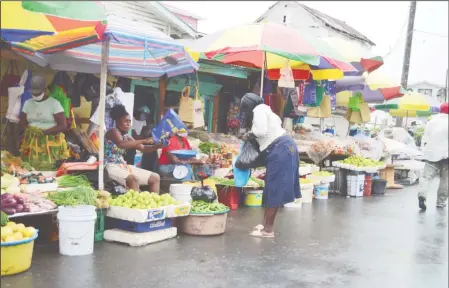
(26, 208)
(19, 199)
(19, 208)
(9, 211)
(6, 195)
(9, 203)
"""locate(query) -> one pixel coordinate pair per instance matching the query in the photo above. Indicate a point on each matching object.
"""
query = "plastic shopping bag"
(286, 79)
(241, 176)
(203, 193)
(250, 156)
(168, 126)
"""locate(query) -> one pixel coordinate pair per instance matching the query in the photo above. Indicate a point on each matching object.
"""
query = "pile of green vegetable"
(206, 147)
(4, 219)
(77, 196)
(205, 207)
(73, 181)
(252, 182)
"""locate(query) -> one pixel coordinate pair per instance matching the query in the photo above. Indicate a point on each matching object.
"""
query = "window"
(427, 92)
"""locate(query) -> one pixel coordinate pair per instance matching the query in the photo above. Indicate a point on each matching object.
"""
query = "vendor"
(139, 130)
(117, 141)
(168, 161)
(47, 114)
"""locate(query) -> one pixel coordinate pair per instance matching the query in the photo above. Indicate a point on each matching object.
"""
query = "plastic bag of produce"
(203, 193)
(168, 126)
(114, 188)
(250, 156)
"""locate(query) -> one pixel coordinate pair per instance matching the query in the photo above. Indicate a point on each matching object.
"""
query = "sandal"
(261, 234)
(257, 228)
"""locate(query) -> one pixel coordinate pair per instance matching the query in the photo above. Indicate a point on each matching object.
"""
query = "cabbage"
(7, 180)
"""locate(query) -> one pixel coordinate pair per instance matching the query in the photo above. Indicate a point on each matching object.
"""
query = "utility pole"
(445, 89)
(408, 51)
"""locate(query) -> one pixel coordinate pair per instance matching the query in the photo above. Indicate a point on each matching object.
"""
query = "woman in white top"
(281, 160)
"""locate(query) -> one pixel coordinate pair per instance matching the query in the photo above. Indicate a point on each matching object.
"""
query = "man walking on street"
(435, 152)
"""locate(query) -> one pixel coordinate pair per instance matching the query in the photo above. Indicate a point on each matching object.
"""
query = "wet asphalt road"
(360, 243)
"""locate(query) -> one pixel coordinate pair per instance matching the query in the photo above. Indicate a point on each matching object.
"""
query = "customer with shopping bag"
(435, 151)
(281, 159)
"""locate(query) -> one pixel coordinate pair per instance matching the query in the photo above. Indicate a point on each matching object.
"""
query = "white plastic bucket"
(307, 195)
(181, 192)
(356, 185)
(321, 191)
(76, 230)
(352, 185)
(360, 185)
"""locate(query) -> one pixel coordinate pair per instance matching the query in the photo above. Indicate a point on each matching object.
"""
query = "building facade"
(314, 22)
(429, 89)
(174, 22)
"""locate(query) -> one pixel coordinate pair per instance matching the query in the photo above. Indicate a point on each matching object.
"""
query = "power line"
(397, 39)
(431, 33)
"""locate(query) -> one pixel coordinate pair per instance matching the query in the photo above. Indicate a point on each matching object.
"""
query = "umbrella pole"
(262, 75)
(101, 107)
(406, 119)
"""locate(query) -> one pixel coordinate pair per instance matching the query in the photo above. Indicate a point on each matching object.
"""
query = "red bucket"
(368, 185)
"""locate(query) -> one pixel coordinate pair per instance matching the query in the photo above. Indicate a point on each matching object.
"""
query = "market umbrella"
(411, 104)
(135, 51)
(360, 57)
(268, 45)
(375, 87)
(51, 26)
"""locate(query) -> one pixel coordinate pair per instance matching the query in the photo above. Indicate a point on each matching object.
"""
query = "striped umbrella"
(135, 51)
(51, 26)
(411, 104)
(375, 87)
(360, 57)
(270, 43)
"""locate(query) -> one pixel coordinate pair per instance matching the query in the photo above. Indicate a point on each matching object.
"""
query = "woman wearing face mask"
(168, 161)
(117, 141)
(47, 114)
(281, 160)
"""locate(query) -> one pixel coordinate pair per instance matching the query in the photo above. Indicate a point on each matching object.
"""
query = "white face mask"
(38, 98)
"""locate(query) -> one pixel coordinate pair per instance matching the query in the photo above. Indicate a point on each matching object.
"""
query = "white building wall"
(298, 18)
(423, 86)
(140, 12)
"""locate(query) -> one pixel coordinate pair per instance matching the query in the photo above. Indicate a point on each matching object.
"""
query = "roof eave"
(171, 17)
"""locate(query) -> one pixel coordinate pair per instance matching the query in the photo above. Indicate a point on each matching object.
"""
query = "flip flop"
(261, 234)
(257, 228)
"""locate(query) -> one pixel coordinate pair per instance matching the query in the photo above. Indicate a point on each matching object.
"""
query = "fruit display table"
(388, 175)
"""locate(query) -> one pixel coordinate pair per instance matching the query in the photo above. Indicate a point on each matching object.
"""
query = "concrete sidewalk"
(377, 242)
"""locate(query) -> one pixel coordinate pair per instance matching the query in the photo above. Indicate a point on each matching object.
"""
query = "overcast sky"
(382, 22)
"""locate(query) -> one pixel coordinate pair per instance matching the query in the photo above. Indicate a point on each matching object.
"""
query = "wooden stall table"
(388, 175)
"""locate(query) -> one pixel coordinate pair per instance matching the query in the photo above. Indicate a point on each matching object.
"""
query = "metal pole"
(445, 89)
(101, 107)
(263, 73)
(408, 51)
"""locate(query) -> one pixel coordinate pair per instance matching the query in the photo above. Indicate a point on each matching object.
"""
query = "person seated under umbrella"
(168, 161)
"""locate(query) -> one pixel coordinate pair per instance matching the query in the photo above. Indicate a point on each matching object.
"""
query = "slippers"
(261, 234)
(257, 228)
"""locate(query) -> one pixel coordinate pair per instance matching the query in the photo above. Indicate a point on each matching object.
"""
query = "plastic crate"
(99, 226)
(229, 196)
(143, 227)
